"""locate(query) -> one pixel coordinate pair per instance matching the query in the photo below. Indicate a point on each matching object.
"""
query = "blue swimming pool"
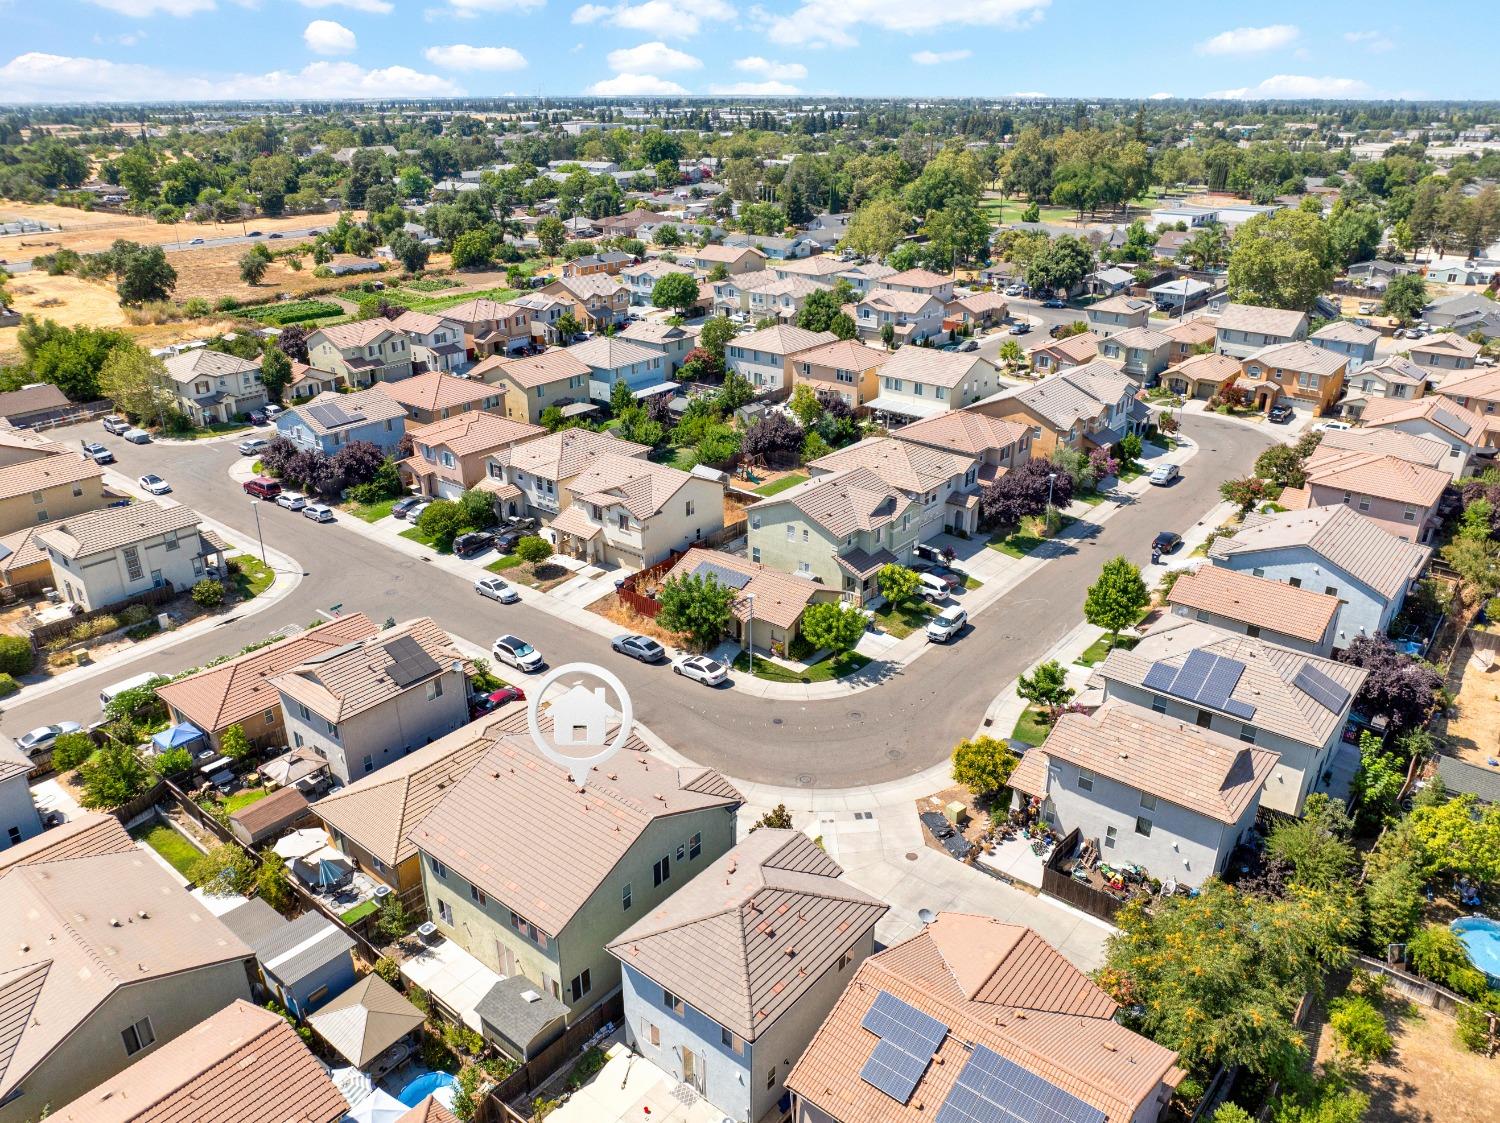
(425, 1085)
(1481, 935)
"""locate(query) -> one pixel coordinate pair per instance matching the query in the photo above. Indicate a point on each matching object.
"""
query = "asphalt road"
(896, 729)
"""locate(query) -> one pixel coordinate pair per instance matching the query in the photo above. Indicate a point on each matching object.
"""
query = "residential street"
(875, 736)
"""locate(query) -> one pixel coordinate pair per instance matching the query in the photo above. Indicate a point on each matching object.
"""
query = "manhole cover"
(911, 855)
(804, 779)
(894, 754)
(775, 721)
(856, 715)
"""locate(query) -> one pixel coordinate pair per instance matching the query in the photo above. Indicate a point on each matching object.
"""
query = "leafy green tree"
(1359, 1029)
(776, 819)
(233, 742)
(1354, 231)
(137, 383)
(142, 274)
(1316, 846)
(16, 655)
(393, 920)
(696, 605)
(888, 334)
(275, 372)
(1244, 493)
(1280, 260)
(843, 326)
(224, 871)
(1405, 298)
(1061, 266)
(113, 775)
(1231, 1113)
(272, 884)
(715, 335)
(818, 310)
(171, 762)
(675, 290)
(983, 765)
(473, 249)
(253, 266)
(1116, 600)
(1046, 686)
(897, 583)
(830, 625)
(717, 444)
(1011, 353)
(1458, 838)
(1438, 953)
(568, 327)
(1377, 783)
(1477, 563)
(409, 251)
(442, 522)
(805, 405)
(1282, 465)
(1393, 889)
(533, 550)
(479, 509)
(70, 750)
(551, 234)
(1130, 451)
(876, 227)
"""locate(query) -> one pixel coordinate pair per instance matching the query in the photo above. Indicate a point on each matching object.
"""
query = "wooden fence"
(1423, 991)
(68, 415)
(1059, 884)
(630, 588)
(151, 598)
(536, 1072)
(129, 811)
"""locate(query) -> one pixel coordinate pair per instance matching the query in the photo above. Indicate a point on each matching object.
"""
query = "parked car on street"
(253, 445)
(700, 668)
(291, 500)
(946, 624)
(969, 345)
(318, 512)
(516, 652)
(497, 589)
(154, 484)
(137, 436)
(40, 739)
(643, 648)
(1166, 542)
(262, 487)
(96, 452)
(1054, 302)
(473, 542)
(115, 425)
(1020, 329)
(1163, 474)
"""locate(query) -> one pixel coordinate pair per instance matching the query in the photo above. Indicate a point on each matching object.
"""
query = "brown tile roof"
(1300, 355)
(963, 431)
(1127, 305)
(783, 339)
(480, 311)
(1342, 331)
(1205, 772)
(916, 279)
(608, 352)
(112, 527)
(55, 468)
(435, 390)
(819, 265)
(1389, 442)
(573, 520)
(650, 332)
(643, 487)
(844, 502)
(589, 286)
(420, 323)
(1144, 338)
(1078, 348)
(1458, 421)
(188, 365)
(1266, 684)
(844, 354)
(897, 300)
(87, 836)
(747, 937)
(728, 255)
(1210, 367)
(242, 1065)
(1370, 473)
(1447, 343)
(1076, 394)
(914, 468)
(980, 302)
(1262, 321)
(1273, 606)
(13, 762)
(779, 597)
(992, 984)
(562, 455)
(217, 697)
(553, 365)
(1394, 368)
(22, 549)
(474, 431)
(932, 366)
(1194, 333)
(346, 681)
(1481, 384)
(85, 928)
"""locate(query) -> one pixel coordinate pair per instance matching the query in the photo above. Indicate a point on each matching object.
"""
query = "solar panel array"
(1204, 679)
(908, 1039)
(1321, 689)
(331, 415)
(411, 664)
(992, 1089)
(1457, 424)
(725, 576)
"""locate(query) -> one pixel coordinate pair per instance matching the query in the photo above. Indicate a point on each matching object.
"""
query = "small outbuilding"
(269, 816)
(371, 1025)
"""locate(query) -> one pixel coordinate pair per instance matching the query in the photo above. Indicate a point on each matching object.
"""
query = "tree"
(1316, 846)
(1377, 783)
(715, 335)
(1131, 449)
(897, 583)
(70, 750)
(1023, 492)
(551, 234)
(1438, 953)
(717, 444)
(697, 605)
(208, 593)
(888, 335)
(253, 266)
(533, 550)
(292, 342)
(774, 440)
(478, 508)
(778, 819)
(1011, 354)
(1282, 465)
(983, 765)
(136, 382)
(1393, 888)
(224, 871)
(442, 522)
(1244, 493)
(114, 774)
(1116, 600)
(275, 372)
(876, 227)
(473, 249)
(233, 742)
(1354, 231)
(805, 405)
(17, 657)
(1061, 266)
(393, 921)
(1280, 260)
(1046, 686)
(832, 626)
(143, 274)
(842, 326)
(1406, 691)
(675, 290)
(818, 310)
(1458, 838)
(409, 251)
(1405, 298)
(272, 884)
(357, 462)
(1477, 563)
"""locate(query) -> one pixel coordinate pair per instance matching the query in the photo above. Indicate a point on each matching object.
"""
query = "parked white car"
(1163, 474)
(497, 589)
(700, 668)
(137, 436)
(1332, 426)
(291, 500)
(318, 512)
(946, 624)
(516, 652)
(154, 484)
(39, 739)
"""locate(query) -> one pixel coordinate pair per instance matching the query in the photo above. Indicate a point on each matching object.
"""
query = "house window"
(1364, 503)
(1294, 582)
(1205, 720)
(771, 1078)
(1410, 514)
(650, 1032)
(625, 898)
(1143, 826)
(15, 835)
(695, 845)
(1111, 836)
(791, 533)
(661, 871)
(673, 1003)
(369, 763)
(434, 690)
(755, 554)
(689, 510)
(681, 852)
(302, 711)
(173, 543)
(528, 929)
(580, 986)
(845, 959)
(804, 534)
(270, 716)
(438, 868)
(477, 896)
(731, 1040)
(754, 522)
(133, 563)
(1252, 630)
(624, 521)
(445, 911)
(1247, 734)
(1085, 779)
(138, 1036)
(1331, 590)
(1148, 801)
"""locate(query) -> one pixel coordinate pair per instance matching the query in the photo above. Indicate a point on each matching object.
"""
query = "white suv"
(946, 624)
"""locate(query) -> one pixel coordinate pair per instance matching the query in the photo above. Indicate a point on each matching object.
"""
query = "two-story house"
(1303, 619)
(612, 358)
(212, 387)
(838, 530)
(536, 472)
(1394, 377)
(1116, 314)
(1478, 391)
(41, 481)
(372, 701)
(775, 248)
(361, 353)
(1249, 690)
(1243, 329)
(104, 557)
(824, 267)
(1156, 791)
(767, 613)
(498, 884)
(437, 342)
(1353, 341)
(914, 316)
(991, 1022)
(435, 396)
(1060, 354)
(672, 341)
(1447, 351)
(1400, 495)
(780, 298)
(940, 484)
(863, 277)
(450, 457)
(19, 819)
(628, 510)
(329, 421)
(596, 301)
(977, 310)
(734, 259)
(731, 296)
(845, 368)
(1298, 373)
(1203, 376)
(1189, 338)
(1084, 407)
(923, 281)
(919, 382)
(721, 985)
(997, 445)
(641, 277)
(611, 262)
(1437, 419)
(534, 383)
(492, 328)
(1141, 352)
(763, 356)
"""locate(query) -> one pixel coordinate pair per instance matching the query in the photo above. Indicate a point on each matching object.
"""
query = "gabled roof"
(1079, 393)
(1344, 331)
(552, 365)
(480, 311)
(1395, 368)
(962, 431)
(299, 948)
(1374, 474)
(1210, 366)
(818, 265)
(562, 455)
(203, 363)
(1197, 769)
(933, 367)
(992, 984)
(608, 352)
(1299, 355)
(474, 431)
(1458, 421)
(650, 331)
(1482, 384)
(422, 323)
(779, 597)
(435, 390)
(244, 1064)
(359, 333)
(1078, 348)
(911, 467)
(751, 934)
(1262, 321)
(428, 1111)
(1389, 442)
(366, 1020)
(217, 697)
(53, 467)
(1144, 338)
(362, 407)
(916, 279)
(844, 354)
(1272, 606)
(87, 836)
(897, 300)
(728, 255)
(1125, 305)
(589, 285)
(1347, 540)
(32, 399)
(1447, 343)
(843, 502)
(1194, 333)
(641, 486)
(94, 532)
(783, 339)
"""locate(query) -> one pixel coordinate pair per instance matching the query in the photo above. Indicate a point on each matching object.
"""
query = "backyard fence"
(68, 415)
(1056, 882)
(132, 809)
(151, 598)
(547, 1063)
(649, 578)
(1419, 990)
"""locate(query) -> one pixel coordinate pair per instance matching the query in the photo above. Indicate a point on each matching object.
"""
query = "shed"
(520, 1018)
(303, 963)
(1462, 778)
(368, 1022)
(268, 817)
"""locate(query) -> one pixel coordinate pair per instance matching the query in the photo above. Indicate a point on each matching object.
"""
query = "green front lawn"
(1018, 543)
(972, 582)
(824, 670)
(1032, 727)
(903, 619)
(500, 565)
(781, 485)
(166, 841)
(371, 512)
(219, 429)
(254, 577)
(244, 799)
(359, 912)
(417, 534)
(1096, 651)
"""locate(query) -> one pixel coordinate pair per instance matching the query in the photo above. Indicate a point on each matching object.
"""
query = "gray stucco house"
(331, 420)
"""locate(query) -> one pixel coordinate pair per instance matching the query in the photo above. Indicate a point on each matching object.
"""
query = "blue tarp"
(177, 736)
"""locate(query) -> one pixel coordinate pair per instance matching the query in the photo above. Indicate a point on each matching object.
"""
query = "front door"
(691, 1070)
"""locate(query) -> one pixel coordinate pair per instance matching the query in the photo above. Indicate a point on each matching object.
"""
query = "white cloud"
(1249, 40)
(1162, 97)
(39, 77)
(657, 17)
(651, 58)
(630, 85)
(937, 58)
(754, 89)
(142, 8)
(770, 70)
(473, 9)
(1028, 94)
(461, 56)
(1376, 42)
(1298, 86)
(374, 7)
(833, 23)
(325, 37)
(129, 39)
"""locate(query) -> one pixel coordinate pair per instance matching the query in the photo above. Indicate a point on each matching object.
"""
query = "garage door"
(447, 489)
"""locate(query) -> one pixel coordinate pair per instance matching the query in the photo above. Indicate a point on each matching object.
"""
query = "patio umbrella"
(300, 843)
(330, 873)
(378, 1107)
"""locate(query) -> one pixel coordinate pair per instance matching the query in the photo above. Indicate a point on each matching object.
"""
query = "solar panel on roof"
(722, 574)
(1223, 676)
(1321, 689)
(1160, 677)
(328, 415)
(992, 1089)
(908, 1039)
(894, 1071)
(410, 663)
(1241, 710)
(1458, 425)
(1194, 673)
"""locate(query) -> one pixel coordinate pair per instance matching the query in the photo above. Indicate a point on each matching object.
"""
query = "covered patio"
(576, 537)
(370, 1025)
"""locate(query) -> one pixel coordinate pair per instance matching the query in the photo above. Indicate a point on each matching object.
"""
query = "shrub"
(16, 655)
(533, 550)
(8, 685)
(171, 762)
(442, 522)
(393, 921)
(1359, 1029)
(208, 593)
(135, 614)
(1437, 952)
(141, 631)
(223, 871)
(70, 750)
(388, 969)
(1474, 1022)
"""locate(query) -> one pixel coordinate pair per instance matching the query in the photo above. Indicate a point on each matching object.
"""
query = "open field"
(92, 231)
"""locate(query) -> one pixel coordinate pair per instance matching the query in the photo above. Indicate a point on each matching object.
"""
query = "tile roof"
(13, 762)
(1458, 421)
(1079, 393)
(242, 1065)
(779, 597)
(56, 467)
(610, 352)
(1343, 331)
(362, 407)
(1210, 366)
(217, 697)
(783, 339)
(1381, 476)
(1194, 333)
(916, 278)
(726, 254)
(1300, 355)
(435, 390)
(359, 333)
(964, 432)
(480, 311)
(1079, 348)
(980, 302)
(896, 300)
(992, 984)
(420, 323)
(1482, 384)
(1144, 338)
(474, 431)
(1388, 442)
(346, 681)
(32, 399)
(591, 285)
(552, 365)
(1262, 321)
(844, 502)
(641, 486)
(1395, 368)
(86, 927)
(819, 265)
(751, 934)
(913, 468)
(650, 331)
(1270, 605)
(87, 836)
(1127, 305)
(109, 528)
(188, 365)
(1197, 769)
(366, 1020)
(844, 354)
(1266, 684)
(21, 548)
(1447, 343)
(562, 455)
(934, 367)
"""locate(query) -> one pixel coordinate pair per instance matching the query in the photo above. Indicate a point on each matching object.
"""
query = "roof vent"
(114, 922)
(144, 915)
(1111, 1046)
(530, 996)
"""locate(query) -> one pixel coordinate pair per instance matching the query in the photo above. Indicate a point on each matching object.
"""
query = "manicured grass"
(500, 565)
(1096, 651)
(1018, 543)
(683, 459)
(359, 912)
(1089, 498)
(219, 429)
(254, 577)
(1031, 728)
(825, 670)
(973, 583)
(1128, 475)
(904, 619)
(178, 851)
(417, 534)
(244, 799)
(781, 485)
(371, 512)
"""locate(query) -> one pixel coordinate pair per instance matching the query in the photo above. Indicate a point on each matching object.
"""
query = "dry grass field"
(92, 231)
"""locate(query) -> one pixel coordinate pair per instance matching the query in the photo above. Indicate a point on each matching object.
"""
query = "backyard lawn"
(254, 577)
(1096, 651)
(166, 841)
(371, 512)
(359, 911)
(824, 670)
(782, 484)
(904, 619)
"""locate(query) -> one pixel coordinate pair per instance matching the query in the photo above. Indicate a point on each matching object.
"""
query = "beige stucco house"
(214, 386)
(41, 481)
(449, 457)
(533, 383)
(630, 511)
(361, 353)
(845, 368)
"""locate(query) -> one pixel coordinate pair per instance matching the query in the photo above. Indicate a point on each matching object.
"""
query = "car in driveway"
(642, 648)
(262, 487)
(473, 542)
(96, 452)
(516, 652)
(404, 507)
(1168, 541)
(1163, 474)
(154, 484)
(946, 624)
(40, 739)
(291, 500)
(1332, 427)
(137, 436)
(489, 703)
(700, 668)
(318, 512)
(506, 540)
(1279, 415)
(497, 589)
(115, 425)
(253, 446)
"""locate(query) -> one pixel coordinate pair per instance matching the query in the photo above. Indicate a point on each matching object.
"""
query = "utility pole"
(750, 631)
(255, 506)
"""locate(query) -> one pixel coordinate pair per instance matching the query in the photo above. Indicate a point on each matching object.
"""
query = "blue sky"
(134, 50)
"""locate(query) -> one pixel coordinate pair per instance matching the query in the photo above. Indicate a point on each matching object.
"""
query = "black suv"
(1280, 415)
(472, 542)
(506, 541)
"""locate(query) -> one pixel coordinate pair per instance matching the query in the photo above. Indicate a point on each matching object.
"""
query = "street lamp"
(1051, 479)
(750, 630)
(255, 506)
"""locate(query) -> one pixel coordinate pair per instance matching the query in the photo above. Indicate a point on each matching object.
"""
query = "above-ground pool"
(427, 1084)
(1481, 935)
